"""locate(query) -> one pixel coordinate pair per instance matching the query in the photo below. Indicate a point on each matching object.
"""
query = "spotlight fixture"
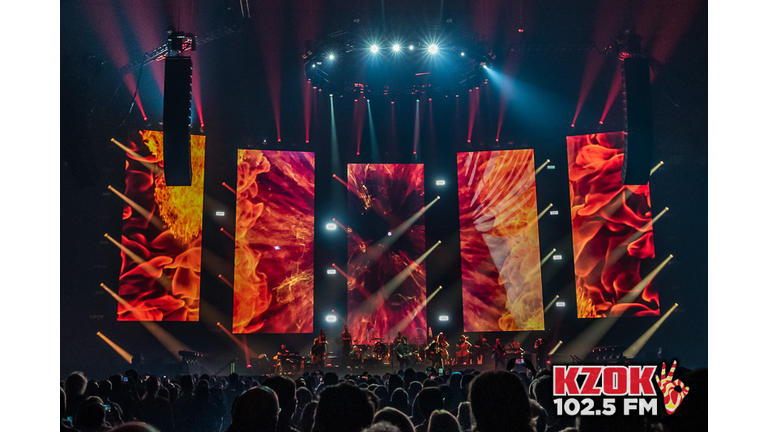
(557, 257)
(330, 226)
(440, 182)
(220, 213)
(410, 47)
(331, 57)
(560, 304)
(374, 48)
(396, 47)
(442, 318)
(432, 48)
(331, 271)
(462, 53)
(330, 318)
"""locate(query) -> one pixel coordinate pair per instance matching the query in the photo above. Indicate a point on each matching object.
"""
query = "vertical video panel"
(612, 230)
(385, 238)
(162, 234)
(274, 242)
(500, 260)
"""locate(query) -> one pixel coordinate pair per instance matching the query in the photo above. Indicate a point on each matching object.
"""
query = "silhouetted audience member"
(154, 409)
(307, 417)
(394, 417)
(500, 403)
(399, 401)
(74, 387)
(381, 427)
(135, 427)
(199, 414)
(255, 410)
(429, 399)
(541, 392)
(394, 382)
(413, 389)
(286, 396)
(343, 408)
(443, 421)
(539, 415)
(465, 417)
(91, 415)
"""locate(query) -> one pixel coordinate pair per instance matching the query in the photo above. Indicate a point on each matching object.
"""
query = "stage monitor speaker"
(177, 117)
(638, 143)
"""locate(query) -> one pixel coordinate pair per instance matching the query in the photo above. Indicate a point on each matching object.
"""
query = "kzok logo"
(616, 380)
(576, 386)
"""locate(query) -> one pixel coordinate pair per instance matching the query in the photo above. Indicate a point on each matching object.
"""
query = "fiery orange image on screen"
(500, 260)
(274, 242)
(386, 286)
(160, 275)
(612, 229)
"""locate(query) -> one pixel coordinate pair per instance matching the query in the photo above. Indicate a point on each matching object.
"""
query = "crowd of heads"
(406, 401)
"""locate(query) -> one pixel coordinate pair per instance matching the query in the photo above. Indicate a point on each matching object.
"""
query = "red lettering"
(565, 380)
(640, 383)
(615, 380)
(593, 373)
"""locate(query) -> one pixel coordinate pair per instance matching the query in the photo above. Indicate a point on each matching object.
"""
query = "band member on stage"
(403, 352)
(346, 345)
(370, 333)
(398, 338)
(500, 355)
(542, 346)
(284, 362)
(435, 353)
(516, 350)
(323, 339)
(462, 351)
(481, 349)
(443, 343)
(318, 353)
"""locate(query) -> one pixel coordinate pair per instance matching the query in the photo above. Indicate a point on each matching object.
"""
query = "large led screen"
(612, 230)
(161, 238)
(274, 242)
(500, 260)
(386, 281)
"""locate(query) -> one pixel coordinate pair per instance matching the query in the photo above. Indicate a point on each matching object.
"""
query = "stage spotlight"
(331, 271)
(557, 257)
(396, 47)
(554, 212)
(410, 47)
(330, 226)
(560, 304)
(462, 53)
(374, 48)
(220, 213)
(432, 48)
(330, 318)
(440, 182)
(331, 57)
(277, 247)
(550, 167)
(389, 233)
(442, 318)
(485, 66)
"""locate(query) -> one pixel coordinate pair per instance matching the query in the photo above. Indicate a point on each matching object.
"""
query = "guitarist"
(318, 353)
(403, 352)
